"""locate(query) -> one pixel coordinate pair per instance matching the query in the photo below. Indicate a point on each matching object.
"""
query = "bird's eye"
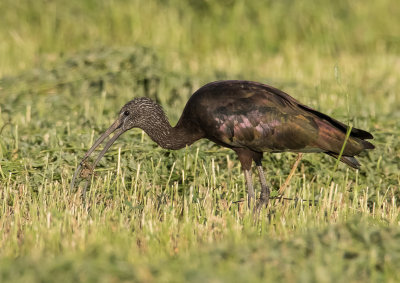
(126, 113)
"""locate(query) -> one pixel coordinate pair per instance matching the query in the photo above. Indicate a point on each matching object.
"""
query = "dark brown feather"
(243, 114)
(349, 160)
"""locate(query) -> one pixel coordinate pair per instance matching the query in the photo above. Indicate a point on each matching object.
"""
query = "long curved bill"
(114, 128)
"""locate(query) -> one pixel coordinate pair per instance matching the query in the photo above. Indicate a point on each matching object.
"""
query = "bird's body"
(248, 117)
(243, 114)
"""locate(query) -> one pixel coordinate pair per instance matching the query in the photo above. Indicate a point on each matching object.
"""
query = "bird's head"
(135, 114)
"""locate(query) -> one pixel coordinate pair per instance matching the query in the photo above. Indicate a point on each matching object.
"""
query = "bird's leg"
(264, 196)
(246, 158)
(250, 188)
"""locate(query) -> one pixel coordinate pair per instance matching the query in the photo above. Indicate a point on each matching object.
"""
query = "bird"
(248, 117)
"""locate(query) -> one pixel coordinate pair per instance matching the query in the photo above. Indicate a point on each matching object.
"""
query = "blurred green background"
(66, 68)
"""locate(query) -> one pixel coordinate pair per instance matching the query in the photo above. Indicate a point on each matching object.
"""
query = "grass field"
(153, 215)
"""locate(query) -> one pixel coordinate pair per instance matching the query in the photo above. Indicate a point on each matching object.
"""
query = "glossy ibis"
(248, 117)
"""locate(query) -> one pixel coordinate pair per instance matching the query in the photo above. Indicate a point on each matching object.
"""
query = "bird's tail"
(349, 160)
(332, 134)
(367, 144)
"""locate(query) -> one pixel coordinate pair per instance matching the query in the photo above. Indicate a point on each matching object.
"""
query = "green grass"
(154, 215)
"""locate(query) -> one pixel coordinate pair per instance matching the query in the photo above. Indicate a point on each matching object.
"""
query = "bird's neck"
(160, 130)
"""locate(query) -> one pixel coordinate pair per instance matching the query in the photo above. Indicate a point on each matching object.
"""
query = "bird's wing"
(266, 129)
(257, 116)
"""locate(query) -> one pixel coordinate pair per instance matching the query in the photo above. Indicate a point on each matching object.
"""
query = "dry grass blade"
(289, 177)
